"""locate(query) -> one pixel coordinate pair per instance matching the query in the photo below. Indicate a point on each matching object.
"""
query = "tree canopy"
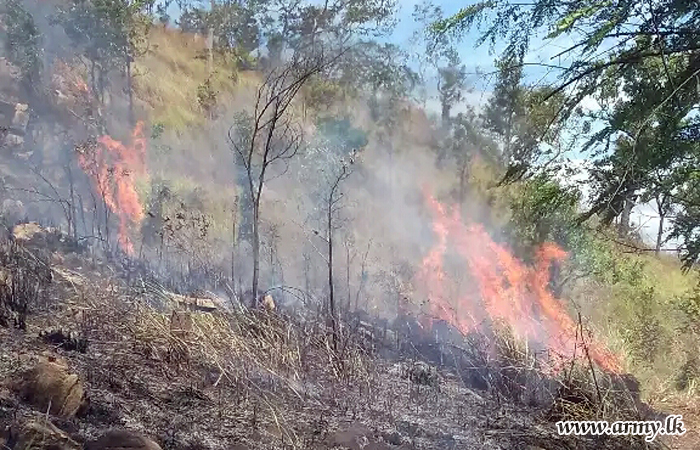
(640, 61)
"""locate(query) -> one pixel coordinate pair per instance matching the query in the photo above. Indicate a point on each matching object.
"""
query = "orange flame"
(111, 167)
(508, 290)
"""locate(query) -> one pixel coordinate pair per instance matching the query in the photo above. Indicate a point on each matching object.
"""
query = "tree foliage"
(641, 62)
(22, 40)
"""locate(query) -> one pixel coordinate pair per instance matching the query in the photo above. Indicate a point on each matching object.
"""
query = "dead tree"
(332, 205)
(270, 134)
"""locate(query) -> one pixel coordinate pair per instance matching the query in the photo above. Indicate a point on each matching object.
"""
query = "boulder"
(356, 436)
(50, 386)
(40, 435)
(122, 440)
(201, 304)
(33, 235)
(268, 303)
(30, 233)
(423, 374)
(20, 120)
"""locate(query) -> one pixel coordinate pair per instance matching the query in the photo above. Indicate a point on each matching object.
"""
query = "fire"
(112, 167)
(506, 289)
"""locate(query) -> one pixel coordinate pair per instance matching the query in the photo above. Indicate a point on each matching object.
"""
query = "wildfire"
(506, 289)
(112, 167)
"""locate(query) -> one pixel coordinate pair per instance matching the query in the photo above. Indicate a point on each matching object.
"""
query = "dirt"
(233, 382)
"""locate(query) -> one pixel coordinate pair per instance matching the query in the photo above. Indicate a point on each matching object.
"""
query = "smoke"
(395, 241)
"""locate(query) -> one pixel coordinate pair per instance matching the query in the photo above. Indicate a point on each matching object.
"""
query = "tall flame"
(112, 167)
(507, 289)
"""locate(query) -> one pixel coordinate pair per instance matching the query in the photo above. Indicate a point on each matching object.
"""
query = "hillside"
(427, 292)
(226, 379)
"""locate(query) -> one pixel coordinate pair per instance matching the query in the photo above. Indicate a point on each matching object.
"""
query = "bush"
(24, 279)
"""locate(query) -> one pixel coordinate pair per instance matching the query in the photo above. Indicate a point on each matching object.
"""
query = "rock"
(14, 141)
(354, 437)
(181, 323)
(122, 440)
(13, 211)
(268, 303)
(33, 235)
(393, 438)
(30, 233)
(20, 120)
(377, 446)
(194, 303)
(40, 435)
(50, 386)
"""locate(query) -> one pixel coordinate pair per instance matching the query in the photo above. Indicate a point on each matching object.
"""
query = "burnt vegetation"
(265, 225)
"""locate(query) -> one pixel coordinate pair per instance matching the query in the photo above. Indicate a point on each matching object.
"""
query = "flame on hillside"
(112, 166)
(506, 289)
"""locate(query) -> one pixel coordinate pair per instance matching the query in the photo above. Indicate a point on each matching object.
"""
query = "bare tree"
(332, 205)
(271, 134)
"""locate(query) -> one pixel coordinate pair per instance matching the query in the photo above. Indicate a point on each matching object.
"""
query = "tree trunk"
(508, 136)
(129, 87)
(463, 174)
(624, 226)
(256, 248)
(660, 234)
(445, 114)
(72, 207)
(210, 42)
(331, 298)
(347, 276)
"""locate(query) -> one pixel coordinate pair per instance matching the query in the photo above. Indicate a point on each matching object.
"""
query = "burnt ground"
(250, 380)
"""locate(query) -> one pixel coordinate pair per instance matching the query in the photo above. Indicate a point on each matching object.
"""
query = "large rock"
(35, 236)
(20, 120)
(355, 436)
(50, 386)
(122, 440)
(201, 304)
(268, 303)
(40, 435)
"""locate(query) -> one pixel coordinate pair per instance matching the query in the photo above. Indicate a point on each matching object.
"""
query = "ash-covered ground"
(88, 347)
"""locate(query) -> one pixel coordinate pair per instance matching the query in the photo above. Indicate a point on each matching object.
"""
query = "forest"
(519, 179)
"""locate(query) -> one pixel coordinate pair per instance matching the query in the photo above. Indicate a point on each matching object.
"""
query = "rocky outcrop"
(51, 386)
(35, 236)
(122, 440)
(40, 434)
(14, 119)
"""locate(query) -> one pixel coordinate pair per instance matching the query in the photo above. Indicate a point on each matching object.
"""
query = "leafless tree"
(271, 134)
(332, 205)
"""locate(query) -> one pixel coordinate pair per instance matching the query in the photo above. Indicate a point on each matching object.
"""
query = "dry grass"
(168, 75)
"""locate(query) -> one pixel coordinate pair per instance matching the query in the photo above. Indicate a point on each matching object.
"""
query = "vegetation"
(288, 154)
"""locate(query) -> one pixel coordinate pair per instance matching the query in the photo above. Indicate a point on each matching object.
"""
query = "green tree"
(452, 84)
(109, 33)
(640, 60)
(22, 41)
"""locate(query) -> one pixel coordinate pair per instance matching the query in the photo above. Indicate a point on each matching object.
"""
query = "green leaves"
(463, 19)
(566, 23)
(22, 39)
(642, 68)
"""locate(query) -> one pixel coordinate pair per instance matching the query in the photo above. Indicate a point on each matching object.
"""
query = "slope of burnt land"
(83, 352)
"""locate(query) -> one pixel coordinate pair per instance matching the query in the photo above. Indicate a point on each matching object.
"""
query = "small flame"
(508, 290)
(112, 167)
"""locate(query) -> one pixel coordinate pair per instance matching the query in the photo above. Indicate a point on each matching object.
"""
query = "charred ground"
(259, 380)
